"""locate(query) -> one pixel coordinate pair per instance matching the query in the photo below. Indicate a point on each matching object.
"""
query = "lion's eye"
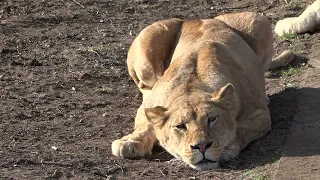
(212, 120)
(181, 127)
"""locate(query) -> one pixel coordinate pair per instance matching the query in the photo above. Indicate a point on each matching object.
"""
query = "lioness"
(203, 87)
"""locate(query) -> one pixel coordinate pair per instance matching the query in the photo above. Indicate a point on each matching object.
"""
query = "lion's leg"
(148, 57)
(247, 131)
(140, 142)
(306, 22)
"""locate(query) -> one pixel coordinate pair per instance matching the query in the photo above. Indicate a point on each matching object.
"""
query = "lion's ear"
(222, 95)
(156, 115)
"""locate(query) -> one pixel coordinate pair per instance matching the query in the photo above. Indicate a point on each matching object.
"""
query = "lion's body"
(184, 70)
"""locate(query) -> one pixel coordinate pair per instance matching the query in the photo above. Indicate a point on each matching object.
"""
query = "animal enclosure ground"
(65, 93)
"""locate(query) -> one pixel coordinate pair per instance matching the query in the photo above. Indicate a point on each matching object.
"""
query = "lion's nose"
(201, 146)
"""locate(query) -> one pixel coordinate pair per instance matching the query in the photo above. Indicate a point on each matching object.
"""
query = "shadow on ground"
(284, 109)
(305, 139)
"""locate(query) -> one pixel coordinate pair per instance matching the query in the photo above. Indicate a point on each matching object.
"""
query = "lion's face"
(195, 131)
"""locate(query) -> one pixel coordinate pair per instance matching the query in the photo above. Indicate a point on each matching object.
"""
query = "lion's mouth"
(205, 164)
(204, 161)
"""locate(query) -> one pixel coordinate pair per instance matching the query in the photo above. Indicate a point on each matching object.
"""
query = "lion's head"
(197, 128)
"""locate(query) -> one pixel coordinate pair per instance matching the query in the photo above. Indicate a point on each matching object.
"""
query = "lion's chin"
(205, 165)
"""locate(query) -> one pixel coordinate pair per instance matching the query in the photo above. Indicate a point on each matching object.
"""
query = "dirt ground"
(65, 93)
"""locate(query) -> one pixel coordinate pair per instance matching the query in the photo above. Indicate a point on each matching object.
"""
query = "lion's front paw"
(129, 149)
(231, 152)
(285, 26)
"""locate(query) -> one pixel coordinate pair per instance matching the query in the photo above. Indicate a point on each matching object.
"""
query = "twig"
(111, 23)
(78, 3)
(144, 172)
(239, 7)
(118, 166)
(64, 2)
(91, 50)
(56, 164)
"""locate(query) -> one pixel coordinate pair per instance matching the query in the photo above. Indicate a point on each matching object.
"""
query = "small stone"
(42, 95)
(110, 177)
(54, 148)
(69, 174)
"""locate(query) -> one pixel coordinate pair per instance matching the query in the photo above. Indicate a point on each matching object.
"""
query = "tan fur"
(308, 21)
(203, 84)
(282, 60)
